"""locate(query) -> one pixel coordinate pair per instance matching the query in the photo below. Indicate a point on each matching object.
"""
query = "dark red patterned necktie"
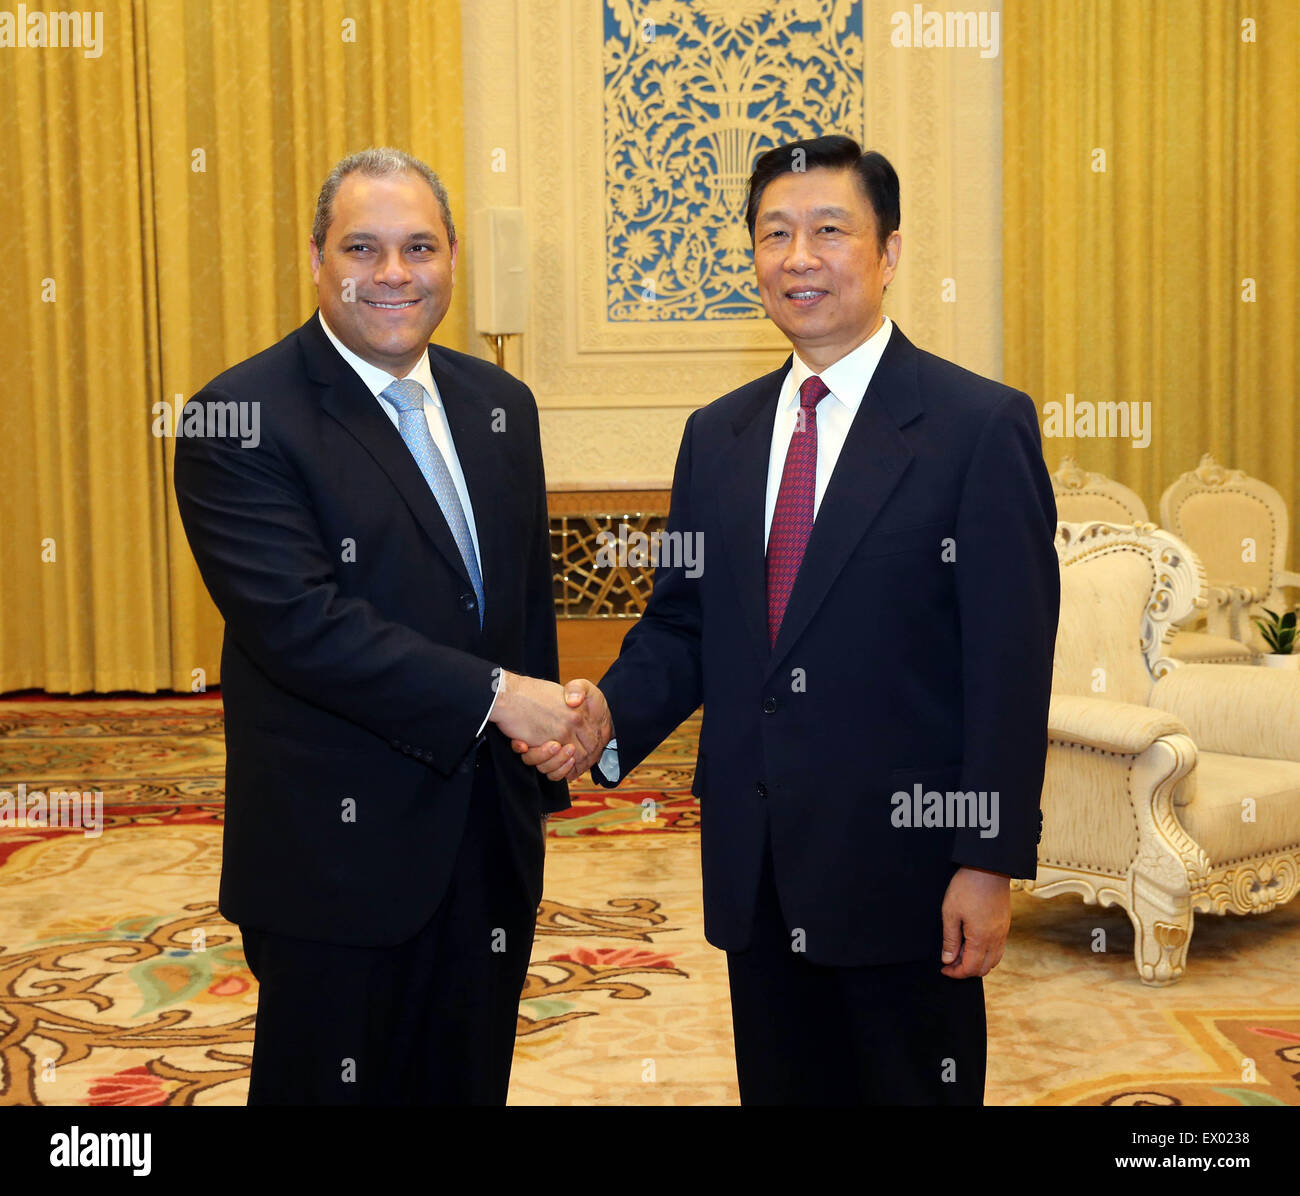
(792, 520)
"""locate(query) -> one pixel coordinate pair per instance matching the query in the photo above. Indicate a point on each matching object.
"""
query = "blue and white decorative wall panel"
(628, 145)
(692, 92)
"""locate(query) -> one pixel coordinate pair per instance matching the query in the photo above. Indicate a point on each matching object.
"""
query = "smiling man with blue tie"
(872, 643)
(382, 561)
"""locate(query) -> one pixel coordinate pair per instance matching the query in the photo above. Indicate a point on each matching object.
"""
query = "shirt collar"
(375, 378)
(848, 378)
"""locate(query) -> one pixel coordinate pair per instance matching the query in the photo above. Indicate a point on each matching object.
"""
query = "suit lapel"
(742, 492)
(870, 465)
(347, 399)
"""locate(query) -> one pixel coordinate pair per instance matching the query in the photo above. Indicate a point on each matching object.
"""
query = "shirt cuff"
(496, 693)
(609, 762)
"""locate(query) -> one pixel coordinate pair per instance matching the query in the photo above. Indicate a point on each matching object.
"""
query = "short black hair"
(876, 177)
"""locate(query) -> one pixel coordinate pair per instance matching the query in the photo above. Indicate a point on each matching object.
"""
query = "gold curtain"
(158, 201)
(1132, 282)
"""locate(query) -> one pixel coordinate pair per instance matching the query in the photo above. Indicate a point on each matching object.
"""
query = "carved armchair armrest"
(1228, 609)
(1119, 727)
(1116, 776)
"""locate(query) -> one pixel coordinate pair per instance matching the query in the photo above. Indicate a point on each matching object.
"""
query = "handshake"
(560, 732)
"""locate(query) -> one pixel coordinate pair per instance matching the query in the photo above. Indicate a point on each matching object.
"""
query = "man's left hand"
(976, 918)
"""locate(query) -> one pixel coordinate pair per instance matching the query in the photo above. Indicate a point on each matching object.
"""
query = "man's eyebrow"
(362, 235)
(778, 214)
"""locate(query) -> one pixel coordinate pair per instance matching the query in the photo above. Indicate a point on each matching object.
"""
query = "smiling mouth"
(805, 296)
(392, 306)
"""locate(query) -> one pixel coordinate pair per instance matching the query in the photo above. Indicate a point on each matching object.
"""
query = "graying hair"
(375, 163)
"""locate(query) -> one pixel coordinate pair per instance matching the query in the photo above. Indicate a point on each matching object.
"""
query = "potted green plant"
(1278, 631)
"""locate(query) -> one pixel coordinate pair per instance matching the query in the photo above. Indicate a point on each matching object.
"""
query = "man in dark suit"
(380, 554)
(872, 642)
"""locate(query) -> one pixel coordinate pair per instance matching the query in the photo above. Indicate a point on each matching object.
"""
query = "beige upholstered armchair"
(1238, 526)
(1082, 496)
(1170, 788)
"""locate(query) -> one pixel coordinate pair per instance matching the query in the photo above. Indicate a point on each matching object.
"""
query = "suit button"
(467, 602)
(762, 790)
(769, 705)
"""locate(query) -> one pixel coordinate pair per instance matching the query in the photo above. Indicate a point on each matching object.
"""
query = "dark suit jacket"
(355, 679)
(894, 666)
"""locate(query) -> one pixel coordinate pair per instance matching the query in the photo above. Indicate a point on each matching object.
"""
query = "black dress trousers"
(430, 1021)
(883, 1034)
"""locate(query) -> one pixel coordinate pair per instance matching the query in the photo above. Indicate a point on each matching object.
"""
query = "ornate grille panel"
(598, 571)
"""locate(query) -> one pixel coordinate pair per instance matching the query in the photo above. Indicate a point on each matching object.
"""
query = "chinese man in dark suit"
(871, 638)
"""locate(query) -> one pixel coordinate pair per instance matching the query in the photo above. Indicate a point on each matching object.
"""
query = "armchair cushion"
(1240, 710)
(1215, 818)
(1199, 647)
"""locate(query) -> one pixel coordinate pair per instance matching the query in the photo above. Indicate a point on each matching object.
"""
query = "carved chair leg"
(1162, 928)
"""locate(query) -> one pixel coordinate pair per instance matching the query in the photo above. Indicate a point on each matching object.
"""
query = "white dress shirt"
(435, 416)
(847, 380)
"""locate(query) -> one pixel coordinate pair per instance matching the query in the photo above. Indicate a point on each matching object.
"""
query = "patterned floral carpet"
(121, 984)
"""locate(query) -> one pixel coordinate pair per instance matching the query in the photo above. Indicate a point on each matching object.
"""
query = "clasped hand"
(560, 732)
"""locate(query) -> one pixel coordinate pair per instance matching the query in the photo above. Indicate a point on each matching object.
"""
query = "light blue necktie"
(407, 396)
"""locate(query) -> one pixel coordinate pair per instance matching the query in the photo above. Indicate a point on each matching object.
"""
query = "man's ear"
(893, 248)
(455, 250)
(314, 254)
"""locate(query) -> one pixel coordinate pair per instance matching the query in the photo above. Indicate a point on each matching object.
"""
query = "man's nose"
(392, 268)
(800, 254)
